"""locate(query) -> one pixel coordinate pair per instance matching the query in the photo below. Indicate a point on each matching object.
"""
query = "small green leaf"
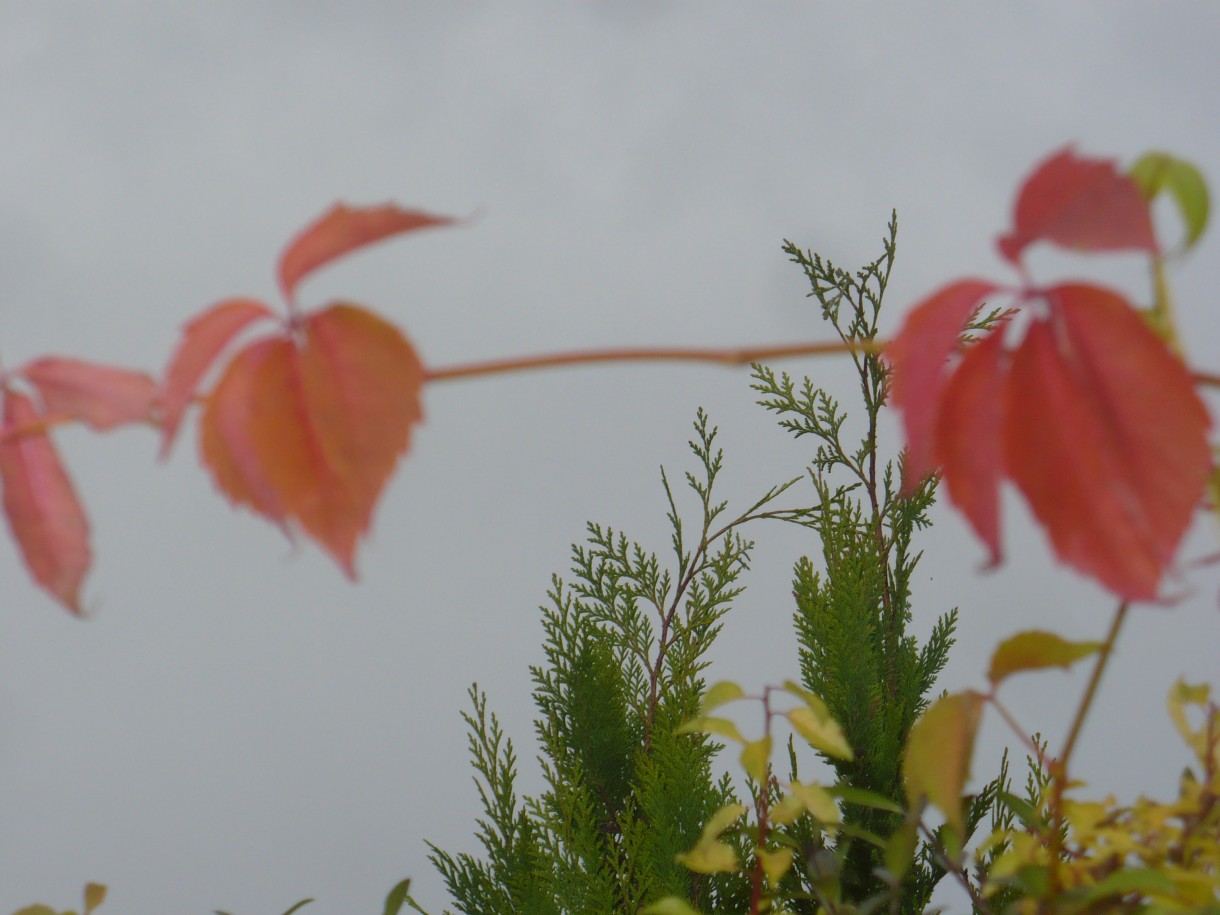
(1131, 880)
(1156, 171)
(720, 693)
(775, 863)
(722, 727)
(299, 905)
(670, 905)
(1035, 650)
(900, 848)
(36, 910)
(397, 898)
(936, 764)
(756, 759)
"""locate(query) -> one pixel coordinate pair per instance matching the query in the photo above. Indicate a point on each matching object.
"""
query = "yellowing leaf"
(95, 895)
(814, 722)
(775, 863)
(669, 905)
(756, 759)
(710, 855)
(719, 694)
(721, 727)
(41, 506)
(936, 764)
(817, 801)
(1034, 650)
(1156, 171)
(1199, 740)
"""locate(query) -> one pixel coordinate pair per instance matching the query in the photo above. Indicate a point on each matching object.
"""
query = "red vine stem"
(735, 356)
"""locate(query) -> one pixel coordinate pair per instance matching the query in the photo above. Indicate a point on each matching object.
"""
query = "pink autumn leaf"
(203, 339)
(1082, 204)
(919, 357)
(100, 395)
(1106, 438)
(41, 506)
(969, 443)
(343, 229)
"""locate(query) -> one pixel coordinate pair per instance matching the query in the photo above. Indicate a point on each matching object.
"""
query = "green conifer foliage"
(626, 644)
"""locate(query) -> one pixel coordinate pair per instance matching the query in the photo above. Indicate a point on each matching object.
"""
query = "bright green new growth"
(626, 649)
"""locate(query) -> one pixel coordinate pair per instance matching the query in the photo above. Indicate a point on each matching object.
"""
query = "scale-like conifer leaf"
(41, 506)
(1079, 203)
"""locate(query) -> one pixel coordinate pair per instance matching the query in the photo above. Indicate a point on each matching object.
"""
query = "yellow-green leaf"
(95, 895)
(775, 863)
(718, 694)
(900, 848)
(1182, 695)
(814, 722)
(756, 759)
(713, 857)
(817, 801)
(670, 905)
(936, 763)
(1157, 171)
(36, 910)
(722, 727)
(1035, 650)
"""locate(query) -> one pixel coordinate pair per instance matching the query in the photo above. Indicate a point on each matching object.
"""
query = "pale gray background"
(238, 727)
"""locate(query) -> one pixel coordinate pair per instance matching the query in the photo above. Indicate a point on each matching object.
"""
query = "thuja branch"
(732, 356)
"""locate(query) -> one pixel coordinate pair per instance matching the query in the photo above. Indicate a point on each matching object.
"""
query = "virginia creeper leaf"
(1034, 650)
(203, 338)
(1155, 172)
(343, 229)
(969, 443)
(1079, 203)
(307, 429)
(43, 511)
(1106, 438)
(100, 395)
(936, 764)
(919, 355)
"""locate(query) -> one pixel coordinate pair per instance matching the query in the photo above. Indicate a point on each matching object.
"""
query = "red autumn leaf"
(40, 503)
(1106, 438)
(100, 395)
(919, 357)
(203, 339)
(969, 441)
(1079, 203)
(341, 230)
(306, 430)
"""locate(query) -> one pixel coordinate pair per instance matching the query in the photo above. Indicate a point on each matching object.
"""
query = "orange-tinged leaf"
(936, 763)
(43, 511)
(919, 355)
(306, 430)
(343, 229)
(100, 395)
(1079, 203)
(1106, 438)
(1035, 650)
(203, 339)
(968, 437)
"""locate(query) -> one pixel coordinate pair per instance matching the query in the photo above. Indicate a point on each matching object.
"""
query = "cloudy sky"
(236, 726)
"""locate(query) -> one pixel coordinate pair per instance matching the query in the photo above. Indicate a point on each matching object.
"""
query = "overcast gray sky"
(237, 726)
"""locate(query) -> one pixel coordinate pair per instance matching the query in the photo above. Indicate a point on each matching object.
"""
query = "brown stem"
(1059, 768)
(732, 356)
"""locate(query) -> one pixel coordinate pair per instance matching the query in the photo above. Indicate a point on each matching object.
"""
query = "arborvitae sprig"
(625, 646)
